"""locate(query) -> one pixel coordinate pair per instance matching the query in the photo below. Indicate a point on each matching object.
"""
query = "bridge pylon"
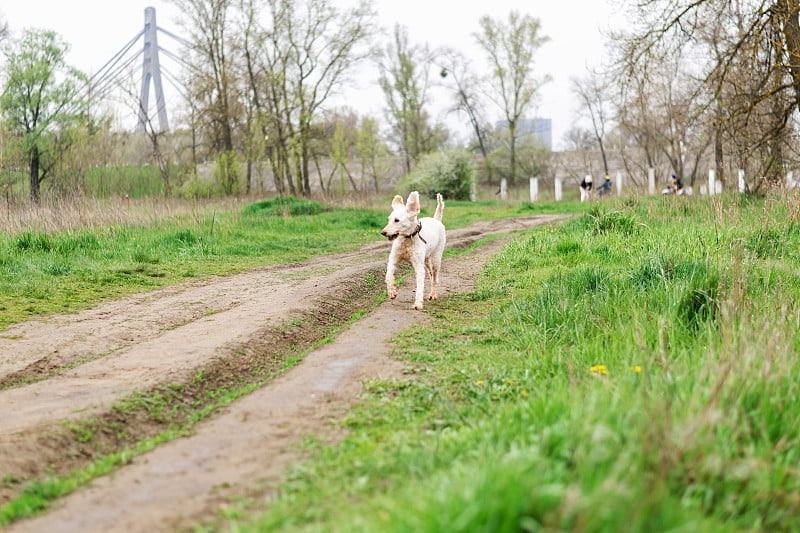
(151, 70)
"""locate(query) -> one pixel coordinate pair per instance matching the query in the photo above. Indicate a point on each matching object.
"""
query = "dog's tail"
(439, 207)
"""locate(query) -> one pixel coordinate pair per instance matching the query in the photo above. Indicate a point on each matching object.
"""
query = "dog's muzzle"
(390, 237)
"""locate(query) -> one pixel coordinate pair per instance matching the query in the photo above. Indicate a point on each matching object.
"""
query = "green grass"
(45, 273)
(632, 370)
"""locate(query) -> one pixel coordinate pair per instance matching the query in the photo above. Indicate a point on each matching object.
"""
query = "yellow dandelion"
(480, 382)
(510, 381)
(524, 393)
(600, 369)
(637, 369)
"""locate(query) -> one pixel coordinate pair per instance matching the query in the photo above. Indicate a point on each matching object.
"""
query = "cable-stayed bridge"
(117, 70)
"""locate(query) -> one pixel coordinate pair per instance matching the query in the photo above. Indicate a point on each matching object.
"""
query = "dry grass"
(66, 214)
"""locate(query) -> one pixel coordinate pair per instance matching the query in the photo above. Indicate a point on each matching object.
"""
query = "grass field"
(632, 370)
(63, 259)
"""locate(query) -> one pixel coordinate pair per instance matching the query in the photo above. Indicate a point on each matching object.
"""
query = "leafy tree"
(343, 142)
(511, 47)
(209, 27)
(404, 79)
(40, 102)
(370, 150)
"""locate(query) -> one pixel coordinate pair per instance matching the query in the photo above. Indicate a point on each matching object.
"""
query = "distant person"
(586, 188)
(675, 186)
(604, 187)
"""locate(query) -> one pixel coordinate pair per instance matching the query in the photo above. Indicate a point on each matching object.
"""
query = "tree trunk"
(512, 131)
(603, 153)
(34, 174)
(350, 177)
(249, 174)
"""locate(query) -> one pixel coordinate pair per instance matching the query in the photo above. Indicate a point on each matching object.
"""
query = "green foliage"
(602, 220)
(196, 187)
(450, 172)
(135, 181)
(227, 173)
(284, 206)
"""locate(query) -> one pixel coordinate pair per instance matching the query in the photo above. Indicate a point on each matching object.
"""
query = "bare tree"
(596, 104)
(749, 65)
(465, 85)
(215, 89)
(299, 55)
(326, 43)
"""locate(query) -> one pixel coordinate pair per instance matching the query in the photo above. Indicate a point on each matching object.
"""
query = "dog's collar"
(416, 232)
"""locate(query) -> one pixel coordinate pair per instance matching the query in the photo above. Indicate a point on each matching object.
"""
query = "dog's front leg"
(419, 271)
(391, 288)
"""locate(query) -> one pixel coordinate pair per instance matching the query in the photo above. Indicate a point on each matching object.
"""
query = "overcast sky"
(97, 29)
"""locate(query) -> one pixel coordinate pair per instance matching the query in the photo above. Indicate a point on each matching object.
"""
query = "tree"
(266, 58)
(40, 101)
(465, 86)
(594, 96)
(214, 81)
(299, 57)
(404, 79)
(751, 72)
(326, 43)
(510, 48)
(370, 149)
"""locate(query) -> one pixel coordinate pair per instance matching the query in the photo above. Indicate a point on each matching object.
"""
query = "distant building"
(541, 128)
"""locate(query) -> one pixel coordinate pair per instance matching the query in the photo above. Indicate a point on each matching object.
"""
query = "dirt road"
(60, 373)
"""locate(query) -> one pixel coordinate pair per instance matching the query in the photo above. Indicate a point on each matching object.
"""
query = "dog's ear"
(412, 205)
(397, 202)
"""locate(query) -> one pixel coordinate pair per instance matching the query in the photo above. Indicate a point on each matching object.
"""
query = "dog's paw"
(392, 292)
(433, 296)
(417, 306)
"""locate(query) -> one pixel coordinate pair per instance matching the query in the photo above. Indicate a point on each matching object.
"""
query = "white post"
(790, 183)
(651, 181)
(558, 189)
(473, 192)
(712, 186)
(742, 186)
(619, 184)
(534, 189)
(503, 189)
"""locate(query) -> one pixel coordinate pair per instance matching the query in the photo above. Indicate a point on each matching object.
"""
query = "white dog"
(418, 241)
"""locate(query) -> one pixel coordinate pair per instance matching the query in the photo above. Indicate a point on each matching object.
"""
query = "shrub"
(451, 172)
(284, 205)
(196, 187)
(227, 172)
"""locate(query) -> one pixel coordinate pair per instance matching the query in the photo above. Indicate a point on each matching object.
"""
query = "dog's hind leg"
(419, 272)
(432, 268)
